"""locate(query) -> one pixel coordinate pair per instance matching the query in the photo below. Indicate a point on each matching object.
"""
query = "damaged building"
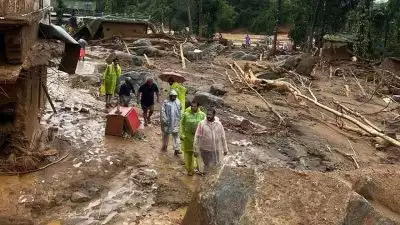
(24, 56)
(108, 27)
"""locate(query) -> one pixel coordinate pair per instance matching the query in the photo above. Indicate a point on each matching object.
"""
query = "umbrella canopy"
(176, 76)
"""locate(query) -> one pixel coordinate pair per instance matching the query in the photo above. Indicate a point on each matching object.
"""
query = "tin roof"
(90, 30)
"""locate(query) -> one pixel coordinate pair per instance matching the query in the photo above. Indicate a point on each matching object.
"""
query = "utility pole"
(278, 21)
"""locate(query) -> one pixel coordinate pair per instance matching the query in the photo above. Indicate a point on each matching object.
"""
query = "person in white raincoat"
(210, 140)
(171, 121)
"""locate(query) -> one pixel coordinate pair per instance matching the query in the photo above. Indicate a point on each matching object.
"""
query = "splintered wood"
(252, 78)
(363, 125)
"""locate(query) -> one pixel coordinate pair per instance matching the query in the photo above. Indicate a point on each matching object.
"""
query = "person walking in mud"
(82, 52)
(111, 75)
(125, 91)
(191, 118)
(247, 40)
(171, 121)
(210, 141)
(145, 96)
(181, 90)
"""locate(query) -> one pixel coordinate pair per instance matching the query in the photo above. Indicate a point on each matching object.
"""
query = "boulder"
(291, 62)
(188, 46)
(149, 51)
(125, 59)
(276, 196)
(268, 75)
(212, 50)
(306, 64)
(191, 55)
(238, 54)
(78, 197)
(141, 42)
(249, 57)
(138, 76)
(273, 197)
(207, 99)
(218, 89)
(223, 198)
(138, 60)
(362, 212)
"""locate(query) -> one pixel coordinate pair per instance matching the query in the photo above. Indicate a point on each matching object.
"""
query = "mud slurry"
(130, 181)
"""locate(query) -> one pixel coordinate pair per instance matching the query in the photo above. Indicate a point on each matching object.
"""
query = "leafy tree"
(60, 10)
(227, 16)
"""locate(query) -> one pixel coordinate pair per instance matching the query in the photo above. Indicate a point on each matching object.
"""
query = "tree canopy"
(375, 24)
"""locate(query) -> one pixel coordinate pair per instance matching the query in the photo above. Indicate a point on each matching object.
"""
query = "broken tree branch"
(271, 108)
(252, 114)
(358, 115)
(126, 48)
(354, 155)
(359, 124)
(36, 170)
(46, 92)
(239, 68)
(182, 56)
(148, 60)
(358, 84)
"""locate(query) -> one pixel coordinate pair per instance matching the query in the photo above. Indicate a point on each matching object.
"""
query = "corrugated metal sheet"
(72, 47)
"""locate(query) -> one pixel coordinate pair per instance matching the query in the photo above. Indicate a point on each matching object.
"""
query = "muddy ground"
(110, 180)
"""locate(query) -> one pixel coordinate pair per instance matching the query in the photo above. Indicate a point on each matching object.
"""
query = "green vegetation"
(375, 24)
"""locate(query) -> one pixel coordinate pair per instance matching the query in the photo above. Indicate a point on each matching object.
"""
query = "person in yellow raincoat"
(181, 90)
(110, 79)
(191, 118)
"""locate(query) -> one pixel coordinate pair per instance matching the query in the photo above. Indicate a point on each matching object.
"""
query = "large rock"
(211, 50)
(291, 62)
(249, 57)
(188, 46)
(306, 64)
(207, 99)
(223, 198)
(268, 75)
(238, 54)
(79, 197)
(277, 196)
(125, 59)
(218, 89)
(141, 42)
(138, 76)
(149, 51)
(138, 60)
(362, 212)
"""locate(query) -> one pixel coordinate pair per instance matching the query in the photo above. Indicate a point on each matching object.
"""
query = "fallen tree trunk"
(281, 120)
(364, 127)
